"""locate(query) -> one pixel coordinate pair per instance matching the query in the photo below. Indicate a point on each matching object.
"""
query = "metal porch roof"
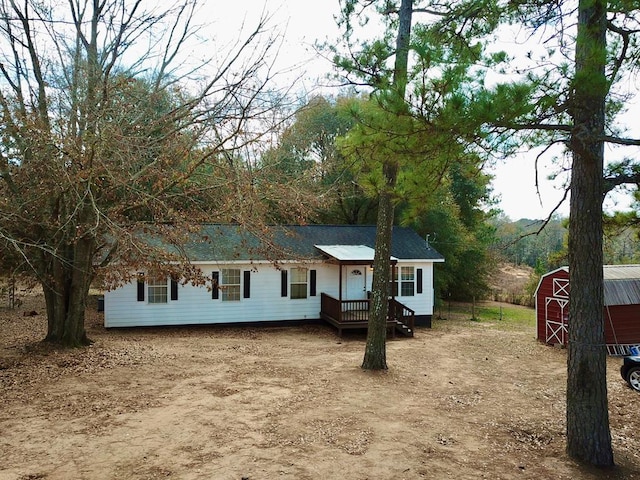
(350, 253)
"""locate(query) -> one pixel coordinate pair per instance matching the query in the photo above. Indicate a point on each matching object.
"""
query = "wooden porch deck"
(354, 314)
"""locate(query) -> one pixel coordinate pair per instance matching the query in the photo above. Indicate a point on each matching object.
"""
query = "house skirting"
(423, 321)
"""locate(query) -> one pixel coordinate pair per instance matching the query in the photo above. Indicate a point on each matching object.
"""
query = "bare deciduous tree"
(111, 126)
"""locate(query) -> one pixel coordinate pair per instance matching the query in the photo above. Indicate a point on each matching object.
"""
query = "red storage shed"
(621, 311)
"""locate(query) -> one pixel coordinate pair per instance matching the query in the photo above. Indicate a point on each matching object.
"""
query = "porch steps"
(403, 328)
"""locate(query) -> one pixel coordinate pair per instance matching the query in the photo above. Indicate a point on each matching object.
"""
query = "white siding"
(195, 305)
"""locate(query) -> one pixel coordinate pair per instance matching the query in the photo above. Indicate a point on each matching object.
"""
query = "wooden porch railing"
(348, 314)
(402, 313)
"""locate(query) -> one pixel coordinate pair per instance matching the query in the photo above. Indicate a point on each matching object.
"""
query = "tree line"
(543, 244)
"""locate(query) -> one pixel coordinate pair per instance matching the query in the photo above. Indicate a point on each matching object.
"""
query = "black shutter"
(247, 284)
(283, 283)
(215, 281)
(419, 280)
(174, 290)
(312, 283)
(140, 288)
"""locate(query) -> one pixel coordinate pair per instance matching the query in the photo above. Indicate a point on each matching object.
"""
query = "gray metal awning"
(354, 254)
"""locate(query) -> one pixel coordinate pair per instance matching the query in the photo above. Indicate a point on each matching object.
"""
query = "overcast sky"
(304, 22)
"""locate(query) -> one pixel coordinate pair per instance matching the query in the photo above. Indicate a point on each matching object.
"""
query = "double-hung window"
(407, 282)
(230, 284)
(157, 289)
(299, 282)
(402, 282)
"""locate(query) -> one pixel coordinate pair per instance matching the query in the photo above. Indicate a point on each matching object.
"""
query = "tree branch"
(621, 141)
(626, 38)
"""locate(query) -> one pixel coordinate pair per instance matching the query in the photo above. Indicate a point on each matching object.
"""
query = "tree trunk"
(375, 357)
(588, 434)
(66, 288)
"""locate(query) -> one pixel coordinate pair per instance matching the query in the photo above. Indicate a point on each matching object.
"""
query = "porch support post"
(393, 264)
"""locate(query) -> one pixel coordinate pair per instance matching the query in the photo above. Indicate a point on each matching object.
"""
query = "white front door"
(356, 282)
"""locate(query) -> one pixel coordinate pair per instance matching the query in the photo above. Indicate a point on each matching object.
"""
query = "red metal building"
(621, 311)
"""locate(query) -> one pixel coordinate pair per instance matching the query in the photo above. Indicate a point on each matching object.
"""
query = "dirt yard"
(464, 400)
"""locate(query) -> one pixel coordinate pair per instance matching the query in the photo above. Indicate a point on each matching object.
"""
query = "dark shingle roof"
(232, 242)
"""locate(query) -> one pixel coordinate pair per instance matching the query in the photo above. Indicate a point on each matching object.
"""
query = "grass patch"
(500, 314)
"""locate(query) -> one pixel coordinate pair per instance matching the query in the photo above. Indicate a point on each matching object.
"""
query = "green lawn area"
(501, 315)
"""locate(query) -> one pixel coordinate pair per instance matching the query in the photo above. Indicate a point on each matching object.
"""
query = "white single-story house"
(321, 272)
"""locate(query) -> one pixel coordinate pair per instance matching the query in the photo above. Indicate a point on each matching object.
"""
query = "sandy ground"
(464, 400)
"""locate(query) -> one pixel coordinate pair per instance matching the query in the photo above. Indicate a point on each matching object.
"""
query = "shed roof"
(621, 272)
(621, 284)
(298, 242)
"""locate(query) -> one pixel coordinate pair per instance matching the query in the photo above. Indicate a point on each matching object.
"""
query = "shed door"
(356, 282)
(556, 320)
